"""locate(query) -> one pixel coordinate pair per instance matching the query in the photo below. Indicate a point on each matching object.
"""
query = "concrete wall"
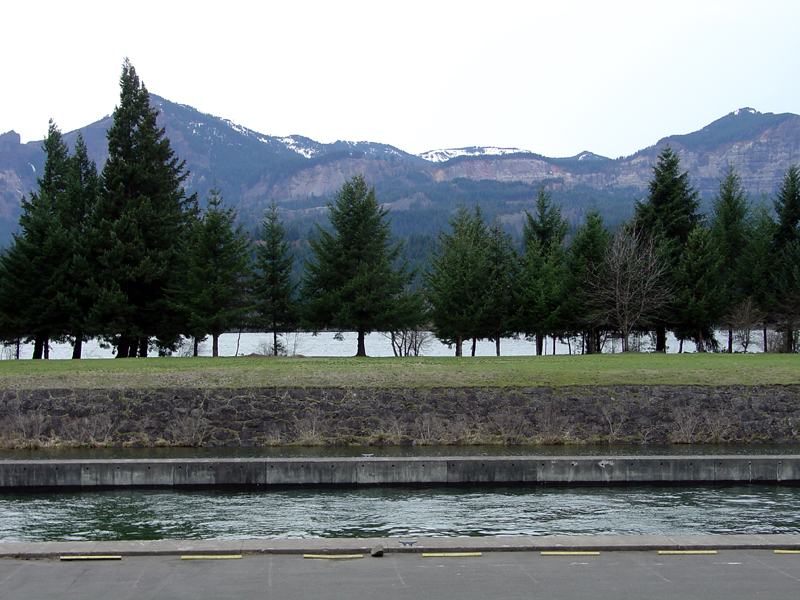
(272, 416)
(393, 471)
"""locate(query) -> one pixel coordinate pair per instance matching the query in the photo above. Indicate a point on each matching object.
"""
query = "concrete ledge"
(256, 472)
(608, 543)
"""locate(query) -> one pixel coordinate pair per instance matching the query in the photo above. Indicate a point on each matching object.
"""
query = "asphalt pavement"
(446, 572)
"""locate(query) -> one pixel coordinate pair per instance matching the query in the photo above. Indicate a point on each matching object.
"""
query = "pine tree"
(275, 307)
(700, 300)
(352, 282)
(457, 285)
(217, 269)
(140, 226)
(785, 247)
(77, 284)
(787, 208)
(668, 216)
(542, 279)
(498, 318)
(31, 267)
(757, 274)
(730, 233)
(586, 253)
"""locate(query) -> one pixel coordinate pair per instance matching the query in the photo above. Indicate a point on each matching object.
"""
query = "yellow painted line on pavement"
(565, 553)
(687, 551)
(787, 551)
(449, 554)
(209, 556)
(333, 556)
(93, 557)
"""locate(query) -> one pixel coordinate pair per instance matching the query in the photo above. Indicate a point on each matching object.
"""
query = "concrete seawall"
(265, 473)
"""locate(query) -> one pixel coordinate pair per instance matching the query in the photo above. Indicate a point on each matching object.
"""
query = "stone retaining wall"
(253, 417)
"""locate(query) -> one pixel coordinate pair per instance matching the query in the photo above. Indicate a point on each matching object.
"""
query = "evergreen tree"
(757, 273)
(31, 267)
(586, 253)
(140, 226)
(457, 285)
(77, 284)
(217, 269)
(542, 280)
(352, 282)
(548, 227)
(700, 301)
(273, 292)
(730, 234)
(500, 309)
(785, 245)
(668, 215)
(787, 208)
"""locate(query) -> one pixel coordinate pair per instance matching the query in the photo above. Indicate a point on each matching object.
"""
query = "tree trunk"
(122, 346)
(275, 343)
(474, 344)
(214, 345)
(142, 348)
(765, 340)
(497, 345)
(554, 345)
(459, 341)
(701, 347)
(77, 347)
(539, 344)
(661, 338)
(362, 349)
(38, 346)
(730, 341)
(680, 347)
(196, 349)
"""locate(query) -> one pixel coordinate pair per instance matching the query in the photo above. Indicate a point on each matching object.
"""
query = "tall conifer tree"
(668, 215)
(272, 290)
(213, 289)
(352, 283)
(731, 233)
(39, 254)
(140, 225)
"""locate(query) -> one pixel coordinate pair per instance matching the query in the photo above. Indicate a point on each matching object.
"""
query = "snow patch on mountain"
(297, 146)
(446, 154)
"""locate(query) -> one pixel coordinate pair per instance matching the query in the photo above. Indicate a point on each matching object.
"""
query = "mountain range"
(301, 175)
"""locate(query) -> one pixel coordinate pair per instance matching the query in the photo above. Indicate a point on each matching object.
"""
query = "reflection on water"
(399, 451)
(380, 512)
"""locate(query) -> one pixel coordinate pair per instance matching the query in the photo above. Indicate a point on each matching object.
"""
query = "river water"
(344, 344)
(141, 514)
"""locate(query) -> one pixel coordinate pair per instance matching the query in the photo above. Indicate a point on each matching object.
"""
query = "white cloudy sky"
(553, 77)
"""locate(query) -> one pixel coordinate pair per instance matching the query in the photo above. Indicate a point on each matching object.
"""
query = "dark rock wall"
(248, 417)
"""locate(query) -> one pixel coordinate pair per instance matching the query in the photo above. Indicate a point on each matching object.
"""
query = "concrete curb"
(608, 543)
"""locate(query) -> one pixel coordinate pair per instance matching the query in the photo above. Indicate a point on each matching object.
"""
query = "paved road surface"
(617, 575)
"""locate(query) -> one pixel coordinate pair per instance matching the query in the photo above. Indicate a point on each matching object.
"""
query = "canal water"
(330, 343)
(142, 514)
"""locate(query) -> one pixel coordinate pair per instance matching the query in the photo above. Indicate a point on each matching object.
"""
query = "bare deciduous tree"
(630, 286)
(743, 319)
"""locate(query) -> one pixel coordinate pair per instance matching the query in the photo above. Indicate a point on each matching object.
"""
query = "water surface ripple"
(141, 514)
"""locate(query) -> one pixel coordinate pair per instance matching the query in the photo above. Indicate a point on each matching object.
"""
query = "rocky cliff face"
(252, 169)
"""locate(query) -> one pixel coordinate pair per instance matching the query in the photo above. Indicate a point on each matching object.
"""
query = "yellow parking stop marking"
(93, 557)
(687, 551)
(333, 556)
(209, 556)
(567, 553)
(787, 551)
(449, 554)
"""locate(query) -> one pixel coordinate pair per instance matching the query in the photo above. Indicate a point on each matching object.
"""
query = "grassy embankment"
(387, 373)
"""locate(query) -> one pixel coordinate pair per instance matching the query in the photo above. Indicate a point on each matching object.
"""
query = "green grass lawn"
(557, 371)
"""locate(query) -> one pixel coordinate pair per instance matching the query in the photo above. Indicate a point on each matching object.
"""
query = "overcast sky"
(554, 77)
